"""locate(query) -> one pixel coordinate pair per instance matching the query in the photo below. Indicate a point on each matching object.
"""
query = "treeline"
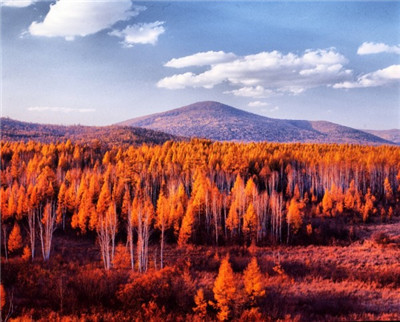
(15, 131)
(189, 192)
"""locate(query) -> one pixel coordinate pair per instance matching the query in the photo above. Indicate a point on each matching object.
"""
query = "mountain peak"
(199, 108)
(208, 105)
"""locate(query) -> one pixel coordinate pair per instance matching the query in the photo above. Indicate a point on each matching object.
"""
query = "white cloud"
(71, 18)
(17, 3)
(249, 91)
(274, 109)
(143, 33)
(60, 109)
(201, 59)
(262, 74)
(257, 104)
(176, 81)
(381, 77)
(368, 48)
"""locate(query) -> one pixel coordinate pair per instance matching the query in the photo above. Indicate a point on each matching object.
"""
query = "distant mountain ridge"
(217, 121)
(392, 135)
(13, 130)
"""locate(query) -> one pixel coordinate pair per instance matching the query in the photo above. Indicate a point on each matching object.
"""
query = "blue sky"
(101, 62)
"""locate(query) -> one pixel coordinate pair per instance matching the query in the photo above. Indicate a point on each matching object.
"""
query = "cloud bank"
(73, 18)
(262, 74)
(381, 77)
(368, 48)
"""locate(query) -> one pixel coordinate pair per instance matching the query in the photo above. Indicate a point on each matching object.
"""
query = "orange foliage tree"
(201, 304)
(224, 290)
(253, 281)
(15, 239)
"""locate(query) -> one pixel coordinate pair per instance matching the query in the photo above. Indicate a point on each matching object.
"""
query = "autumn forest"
(199, 230)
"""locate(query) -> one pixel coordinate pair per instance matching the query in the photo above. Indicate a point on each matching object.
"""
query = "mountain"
(12, 130)
(216, 121)
(392, 135)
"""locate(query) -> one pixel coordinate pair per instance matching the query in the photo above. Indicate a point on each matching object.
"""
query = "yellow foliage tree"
(22, 203)
(294, 215)
(349, 196)
(163, 221)
(61, 208)
(232, 222)
(224, 289)
(15, 239)
(388, 190)
(250, 221)
(327, 203)
(186, 228)
(26, 254)
(368, 206)
(201, 304)
(250, 190)
(253, 281)
(390, 213)
(104, 199)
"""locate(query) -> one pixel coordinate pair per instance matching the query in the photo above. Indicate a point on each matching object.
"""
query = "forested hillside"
(12, 130)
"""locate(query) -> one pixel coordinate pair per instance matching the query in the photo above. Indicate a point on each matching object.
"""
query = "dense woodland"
(129, 202)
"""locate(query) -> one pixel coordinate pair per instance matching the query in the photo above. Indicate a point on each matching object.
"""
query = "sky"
(99, 62)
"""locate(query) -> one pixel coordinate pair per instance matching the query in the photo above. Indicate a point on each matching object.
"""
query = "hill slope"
(12, 130)
(392, 135)
(221, 122)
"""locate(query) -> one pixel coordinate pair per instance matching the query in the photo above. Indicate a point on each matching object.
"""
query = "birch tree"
(143, 214)
(47, 226)
(106, 231)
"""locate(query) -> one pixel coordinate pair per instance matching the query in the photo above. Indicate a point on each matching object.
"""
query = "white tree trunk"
(47, 226)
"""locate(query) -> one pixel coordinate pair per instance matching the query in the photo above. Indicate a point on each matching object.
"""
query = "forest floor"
(359, 281)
